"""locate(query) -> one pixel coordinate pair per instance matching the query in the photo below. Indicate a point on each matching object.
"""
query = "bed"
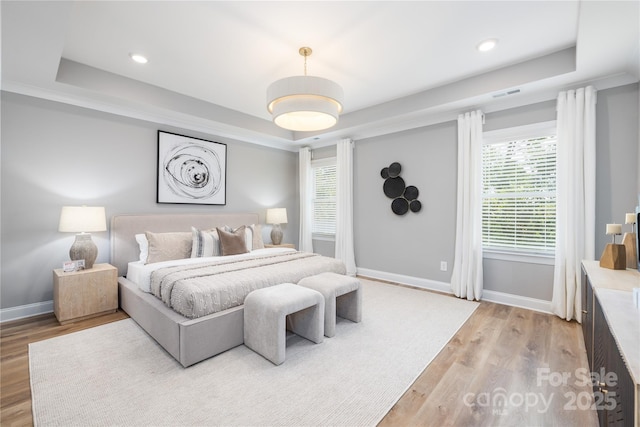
(202, 332)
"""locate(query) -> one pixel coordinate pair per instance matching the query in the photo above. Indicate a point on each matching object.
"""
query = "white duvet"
(140, 273)
(200, 289)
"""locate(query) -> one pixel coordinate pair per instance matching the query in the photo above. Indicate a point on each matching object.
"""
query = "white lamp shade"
(305, 103)
(277, 216)
(82, 219)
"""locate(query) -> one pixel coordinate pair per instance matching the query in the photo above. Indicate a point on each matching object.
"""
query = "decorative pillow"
(143, 243)
(248, 235)
(168, 246)
(205, 243)
(256, 232)
(234, 242)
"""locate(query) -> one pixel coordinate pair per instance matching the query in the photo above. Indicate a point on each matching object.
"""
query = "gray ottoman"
(342, 297)
(265, 312)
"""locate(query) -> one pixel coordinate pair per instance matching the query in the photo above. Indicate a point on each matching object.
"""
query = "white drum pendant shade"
(304, 103)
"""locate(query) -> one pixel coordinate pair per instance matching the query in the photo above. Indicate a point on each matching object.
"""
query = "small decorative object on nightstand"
(276, 216)
(85, 293)
(281, 245)
(614, 256)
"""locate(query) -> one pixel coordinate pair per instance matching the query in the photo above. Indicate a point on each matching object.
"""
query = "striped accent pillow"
(205, 243)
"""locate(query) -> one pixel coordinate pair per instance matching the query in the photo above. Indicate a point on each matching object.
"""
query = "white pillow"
(143, 243)
(256, 233)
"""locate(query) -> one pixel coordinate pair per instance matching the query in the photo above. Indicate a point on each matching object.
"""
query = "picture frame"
(191, 170)
(72, 266)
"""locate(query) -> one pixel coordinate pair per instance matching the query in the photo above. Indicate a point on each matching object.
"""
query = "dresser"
(611, 329)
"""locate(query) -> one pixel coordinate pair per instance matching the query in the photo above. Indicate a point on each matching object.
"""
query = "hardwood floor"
(501, 354)
(506, 366)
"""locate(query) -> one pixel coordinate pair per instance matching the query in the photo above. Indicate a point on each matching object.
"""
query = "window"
(519, 190)
(324, 196)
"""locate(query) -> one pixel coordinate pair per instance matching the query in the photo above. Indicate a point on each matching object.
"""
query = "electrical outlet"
(443, 265)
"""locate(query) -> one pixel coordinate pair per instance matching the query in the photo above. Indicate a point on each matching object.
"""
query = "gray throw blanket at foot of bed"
(201, 289)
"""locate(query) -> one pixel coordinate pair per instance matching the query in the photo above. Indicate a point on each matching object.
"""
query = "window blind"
(519, 195)
(324, 199)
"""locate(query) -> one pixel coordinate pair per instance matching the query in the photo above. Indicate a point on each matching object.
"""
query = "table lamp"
(276, 216)
(83, 220)
(614, 256)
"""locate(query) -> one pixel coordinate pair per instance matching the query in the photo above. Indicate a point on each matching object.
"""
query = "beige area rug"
(116, 374)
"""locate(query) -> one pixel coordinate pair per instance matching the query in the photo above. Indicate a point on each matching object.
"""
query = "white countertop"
(623, 280)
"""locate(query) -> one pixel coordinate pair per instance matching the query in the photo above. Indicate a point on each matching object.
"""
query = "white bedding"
(140, 273)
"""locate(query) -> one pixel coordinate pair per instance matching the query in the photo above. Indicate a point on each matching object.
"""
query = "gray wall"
(55, 154)
(617, 154)
(414, 244)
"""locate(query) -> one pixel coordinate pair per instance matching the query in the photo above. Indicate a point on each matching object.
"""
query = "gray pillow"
(233, 242)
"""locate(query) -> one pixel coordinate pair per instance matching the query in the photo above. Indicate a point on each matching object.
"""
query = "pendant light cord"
(305, 51)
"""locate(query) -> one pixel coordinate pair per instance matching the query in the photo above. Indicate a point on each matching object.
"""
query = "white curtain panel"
(305, 238)
(344, 205)
(466, 277)
(575, 197)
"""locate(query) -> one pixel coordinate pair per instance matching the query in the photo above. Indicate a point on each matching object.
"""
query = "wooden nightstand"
(282, 245)
(86, 293)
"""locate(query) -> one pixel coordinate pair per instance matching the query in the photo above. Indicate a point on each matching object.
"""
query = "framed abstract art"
(191, 170)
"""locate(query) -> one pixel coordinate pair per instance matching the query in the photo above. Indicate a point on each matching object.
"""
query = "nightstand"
(85, 293)
(282, 245)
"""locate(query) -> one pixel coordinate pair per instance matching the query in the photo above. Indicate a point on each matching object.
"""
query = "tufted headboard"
(124, 247)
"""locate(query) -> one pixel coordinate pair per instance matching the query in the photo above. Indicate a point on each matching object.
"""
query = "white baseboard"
(22, 311)
(434, 285)
(517, 301)
(15, 313)
(406, 280)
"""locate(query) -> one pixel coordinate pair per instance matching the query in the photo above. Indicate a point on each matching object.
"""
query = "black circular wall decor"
(404, 197)
(394, 169)
(400, 206)
(411, 193)
(393, 187)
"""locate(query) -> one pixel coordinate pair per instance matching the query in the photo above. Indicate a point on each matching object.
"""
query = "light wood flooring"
(494, 358)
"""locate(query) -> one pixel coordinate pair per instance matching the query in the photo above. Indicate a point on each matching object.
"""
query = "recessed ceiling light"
(487, 45)
(138, 58)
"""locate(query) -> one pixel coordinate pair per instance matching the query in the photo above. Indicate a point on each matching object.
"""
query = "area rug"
(116, 374)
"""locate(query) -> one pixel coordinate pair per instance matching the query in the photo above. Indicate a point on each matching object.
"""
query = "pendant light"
(304, 103)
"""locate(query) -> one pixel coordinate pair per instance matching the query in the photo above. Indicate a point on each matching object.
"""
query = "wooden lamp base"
(614, 257)
(629, 242)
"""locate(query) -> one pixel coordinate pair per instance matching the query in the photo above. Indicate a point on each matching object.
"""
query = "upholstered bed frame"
(188, 340)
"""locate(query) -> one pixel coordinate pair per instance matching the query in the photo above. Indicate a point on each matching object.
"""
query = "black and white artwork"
(191, 170)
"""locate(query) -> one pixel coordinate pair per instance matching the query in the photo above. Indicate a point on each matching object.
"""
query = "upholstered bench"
(342, 294)
(265, 313)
